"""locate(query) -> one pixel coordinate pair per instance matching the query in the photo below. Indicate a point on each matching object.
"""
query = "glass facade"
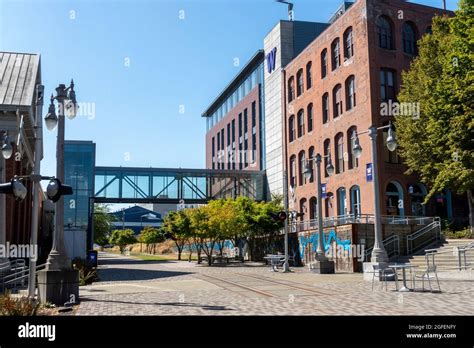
(79, 163)
(234, 97)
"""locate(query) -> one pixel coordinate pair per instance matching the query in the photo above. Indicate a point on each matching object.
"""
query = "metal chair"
(386, 273)
(430, 269)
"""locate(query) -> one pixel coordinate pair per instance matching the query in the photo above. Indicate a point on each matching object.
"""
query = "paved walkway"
(130, 286)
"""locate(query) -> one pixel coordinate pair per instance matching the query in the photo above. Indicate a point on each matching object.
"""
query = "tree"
(122, 238)
(198, 218)
(102, 224)
(177, 227)
(438, 144)
(151, 235)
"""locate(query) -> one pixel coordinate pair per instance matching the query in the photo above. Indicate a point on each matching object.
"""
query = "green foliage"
(102, 224)
(122, 238)
(439, 144)
(11, 306)
(176, 226)
(87, 272)
(463, 234)
(150, 235)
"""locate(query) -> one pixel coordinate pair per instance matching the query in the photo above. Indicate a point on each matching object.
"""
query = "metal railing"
(462, 250)
(391, 245)
(424, 236)
(18, 275)
(301, 226)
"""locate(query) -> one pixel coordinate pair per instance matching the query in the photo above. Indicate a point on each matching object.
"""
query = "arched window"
(327, 144)
(337, 100)
(339, 146)
(303, 208)
(341, 201)
(310, 157)
(291, 128)
(301, 163)
(310, 117)
(335, 54)
(324, 63)
(384, 32)
(313, 208)
(329, 204)
(353, 161)
(348, 44)
(350, 93)
(394, 202)
(325, 105)
(299, 82)
(409, 38)
(300, 123)
(309, 75)
(355, 201)
(291, 89)
(293, 171)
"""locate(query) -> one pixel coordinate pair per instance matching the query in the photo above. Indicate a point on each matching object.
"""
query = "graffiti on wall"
(313, 239)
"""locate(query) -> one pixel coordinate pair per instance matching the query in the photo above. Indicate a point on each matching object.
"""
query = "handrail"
(299, 226)
(24, 274)
(392, 239)
(435, 225)
(462, 250)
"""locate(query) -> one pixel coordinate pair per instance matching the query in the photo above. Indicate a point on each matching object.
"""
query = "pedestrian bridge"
(167, 185)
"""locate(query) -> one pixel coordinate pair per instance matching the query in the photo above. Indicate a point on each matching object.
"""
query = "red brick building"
(337, 85)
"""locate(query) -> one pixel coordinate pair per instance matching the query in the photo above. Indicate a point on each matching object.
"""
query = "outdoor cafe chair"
(386, 273)
(430, 270)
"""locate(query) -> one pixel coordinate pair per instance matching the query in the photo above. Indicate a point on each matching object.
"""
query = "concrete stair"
(446, 257)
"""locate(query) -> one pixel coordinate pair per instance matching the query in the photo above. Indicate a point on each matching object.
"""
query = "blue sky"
(174, 64)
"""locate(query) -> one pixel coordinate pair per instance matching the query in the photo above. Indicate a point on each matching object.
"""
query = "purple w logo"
(271, 59)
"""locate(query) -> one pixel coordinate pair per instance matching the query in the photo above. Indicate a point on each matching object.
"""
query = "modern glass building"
(79, 167)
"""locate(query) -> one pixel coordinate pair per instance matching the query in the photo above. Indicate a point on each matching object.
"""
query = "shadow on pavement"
(176, 304)
(122, 274)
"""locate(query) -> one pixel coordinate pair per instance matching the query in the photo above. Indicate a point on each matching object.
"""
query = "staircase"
(446, 256)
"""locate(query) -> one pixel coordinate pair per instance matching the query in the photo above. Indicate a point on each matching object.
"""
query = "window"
(384, 33)
(310, 117)
(409, 38)
(254, 115)
(245, 121)
(327, 144)
(337, 100)
(301, 164)
(353, 161)
(348, 44)
(300, 123)
(325, 107)
(309, 78)
(299, 82)
(293, 171)
(324, 63)
(303, 208)
(341, 201)
(350, 93)
(291, 128)
(339, 143)
(387, 85)
(310, 157)
(313, 208)
(355, 200)
(213, 152)
(335, 54)
(291, 89)
(254, 147)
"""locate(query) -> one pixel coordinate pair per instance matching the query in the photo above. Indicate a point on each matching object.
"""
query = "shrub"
(13, 306)
(87, 272)
(462, 234)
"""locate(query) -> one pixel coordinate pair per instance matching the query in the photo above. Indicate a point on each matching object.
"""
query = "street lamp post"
(58, 283)
(322, 265)
(379, 254)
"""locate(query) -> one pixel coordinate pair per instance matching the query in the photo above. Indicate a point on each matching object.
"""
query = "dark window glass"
(254, 114)
(309, 76)
(291, 128)
(325, 104)
(299, 82)
(300, 123)
(409, 39)
(324, 63)
(310, 117)
(339, 153)
(350, 93)
(335, 54)
(348, 44)
(384, 33)
(291, 89)
(387, 85)
(337, 100)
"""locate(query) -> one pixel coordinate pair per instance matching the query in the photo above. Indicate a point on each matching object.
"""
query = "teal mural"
(312, 239)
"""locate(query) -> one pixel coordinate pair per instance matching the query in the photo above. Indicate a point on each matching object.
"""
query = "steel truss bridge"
(166, 185)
